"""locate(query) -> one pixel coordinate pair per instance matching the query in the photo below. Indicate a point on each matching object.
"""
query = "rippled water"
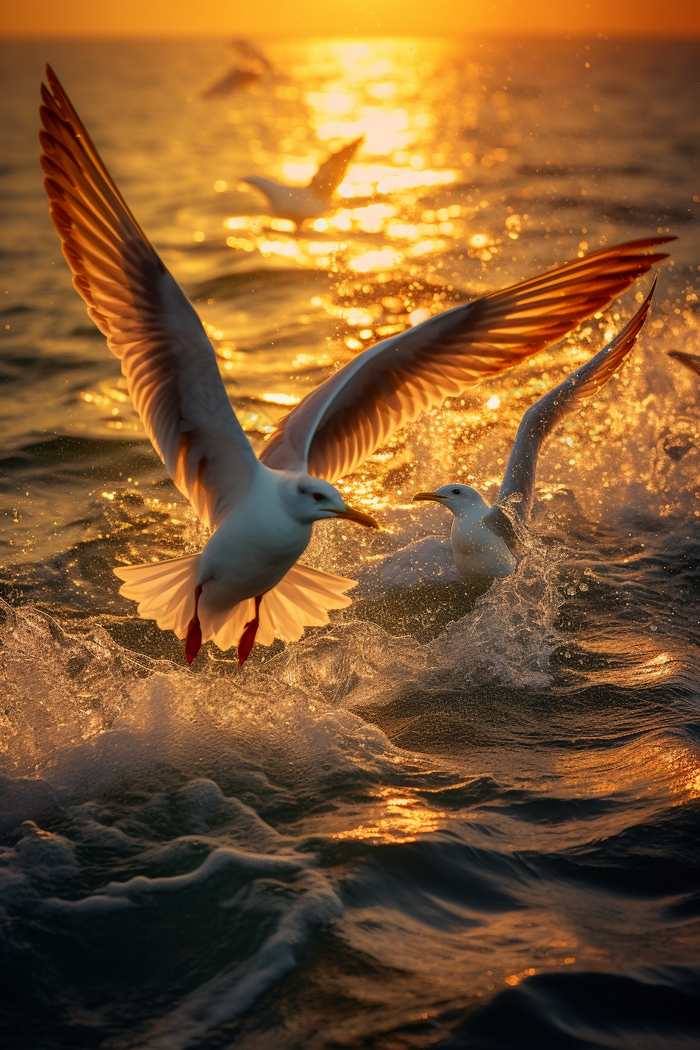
(443, 821)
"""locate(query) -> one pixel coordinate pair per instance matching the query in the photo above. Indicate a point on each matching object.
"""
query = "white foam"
(38, 864)
(230, 994)
(428, 560)
(221, 862)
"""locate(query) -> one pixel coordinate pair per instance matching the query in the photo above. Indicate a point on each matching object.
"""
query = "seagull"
(484, 540)
(308, 202)
(250, 53)
(247, 584)
(250, 71)
(234, 79)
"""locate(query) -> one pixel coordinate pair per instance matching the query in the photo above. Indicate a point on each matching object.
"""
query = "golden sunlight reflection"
(438, 230)
(400, 817)
(370, 90)
(384, 130)
(514, 979)
(681, 767)
(298, 172)
(281, 399)
(376, 259)
(634, 769)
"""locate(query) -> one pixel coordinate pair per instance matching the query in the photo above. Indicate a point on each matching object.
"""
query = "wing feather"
(169, 364)
(541, 418)
(391, 383)
(332, 172)
(689, 361)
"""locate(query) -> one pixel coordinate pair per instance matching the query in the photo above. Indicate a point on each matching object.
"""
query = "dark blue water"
(443, 821)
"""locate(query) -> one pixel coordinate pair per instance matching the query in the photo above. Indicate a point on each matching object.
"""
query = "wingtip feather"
(689, 361)
(55, 84)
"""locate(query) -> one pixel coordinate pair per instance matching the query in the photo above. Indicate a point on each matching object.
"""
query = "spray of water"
(511, 632)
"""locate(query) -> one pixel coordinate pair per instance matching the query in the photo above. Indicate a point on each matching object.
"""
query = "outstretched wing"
(247, 50)
(338, 425)
(169, 363)
(332, 172)
(690, 361)
(233, 79)
(541, 418)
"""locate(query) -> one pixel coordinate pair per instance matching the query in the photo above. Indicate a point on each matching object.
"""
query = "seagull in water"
(247, 584)
(308, 202)
(484, 540)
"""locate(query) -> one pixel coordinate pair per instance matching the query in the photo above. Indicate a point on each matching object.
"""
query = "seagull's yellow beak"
(429, 496)
(359, 516)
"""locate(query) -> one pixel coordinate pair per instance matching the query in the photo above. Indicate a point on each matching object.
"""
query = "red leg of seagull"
(193, 641)
(248, 636)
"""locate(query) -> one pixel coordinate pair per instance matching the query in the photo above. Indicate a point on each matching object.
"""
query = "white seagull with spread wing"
(307, 202)
(484, 542)
(247, 583)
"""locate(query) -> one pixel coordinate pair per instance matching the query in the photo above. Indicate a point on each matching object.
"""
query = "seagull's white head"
(460, 499)
(311, 499)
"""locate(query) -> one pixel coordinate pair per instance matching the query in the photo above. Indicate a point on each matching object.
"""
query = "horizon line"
(224, 35)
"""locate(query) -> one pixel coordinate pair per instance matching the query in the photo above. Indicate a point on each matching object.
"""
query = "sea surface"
(446, 820)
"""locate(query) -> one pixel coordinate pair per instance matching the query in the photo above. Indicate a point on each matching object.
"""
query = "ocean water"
(446, 820)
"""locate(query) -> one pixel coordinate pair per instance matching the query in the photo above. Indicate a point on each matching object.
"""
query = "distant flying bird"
(483, 538)
(307, 202)
(250, 53)
(234, 79)
(247, 584)
(251, 67)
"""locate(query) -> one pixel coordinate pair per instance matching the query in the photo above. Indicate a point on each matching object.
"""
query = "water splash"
(511, 632)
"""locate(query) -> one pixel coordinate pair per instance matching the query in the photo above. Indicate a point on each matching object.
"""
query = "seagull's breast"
(477, 552)
(250, 552)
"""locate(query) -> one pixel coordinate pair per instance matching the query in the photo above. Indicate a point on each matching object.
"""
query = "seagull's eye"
(301, 490)
(317, 496)
(455, 492)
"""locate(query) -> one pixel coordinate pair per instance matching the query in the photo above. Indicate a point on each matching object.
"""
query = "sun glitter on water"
(400, 818)
(371, 93)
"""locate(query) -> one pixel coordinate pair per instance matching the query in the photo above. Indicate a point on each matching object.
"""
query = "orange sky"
(92, 18)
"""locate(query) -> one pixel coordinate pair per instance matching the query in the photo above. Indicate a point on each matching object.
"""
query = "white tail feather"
(164, 591)
(302, 598)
